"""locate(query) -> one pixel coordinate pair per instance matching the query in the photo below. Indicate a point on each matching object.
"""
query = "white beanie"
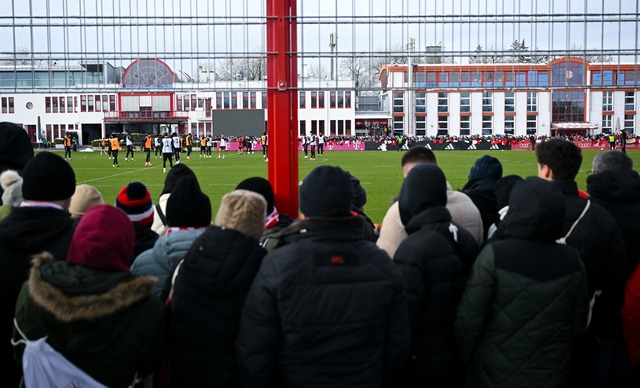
(11, 183)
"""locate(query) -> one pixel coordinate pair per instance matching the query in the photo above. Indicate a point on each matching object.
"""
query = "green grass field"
(379, 172)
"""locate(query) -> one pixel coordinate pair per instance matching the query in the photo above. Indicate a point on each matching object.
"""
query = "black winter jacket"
(483, 194)
(209, 293)
(619, 193)
(598, 239)
(432, 261)
(326, 309)
(25, 232)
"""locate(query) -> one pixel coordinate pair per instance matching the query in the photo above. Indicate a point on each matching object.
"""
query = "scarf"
(272, 219)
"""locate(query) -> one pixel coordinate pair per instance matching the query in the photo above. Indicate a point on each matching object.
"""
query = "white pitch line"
(114, 175)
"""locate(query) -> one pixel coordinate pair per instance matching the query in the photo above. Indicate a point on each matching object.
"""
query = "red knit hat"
(103, 240)
(135, 200)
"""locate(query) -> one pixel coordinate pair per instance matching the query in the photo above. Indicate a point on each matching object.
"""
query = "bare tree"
(22, 57)
(593, 58)
(490, 55)
(317, 71)
(360, 70)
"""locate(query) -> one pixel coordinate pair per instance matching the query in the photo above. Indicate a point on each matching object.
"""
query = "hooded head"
(261, 186)
(103, 240)
(424, 187)
(536, 211)
(486, 167)
(187, 205)
(15, 147)
(326, 192)
(359, 193)
(243, 211)
(177, 171)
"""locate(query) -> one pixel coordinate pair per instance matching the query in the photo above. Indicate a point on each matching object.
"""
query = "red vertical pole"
(282, 118)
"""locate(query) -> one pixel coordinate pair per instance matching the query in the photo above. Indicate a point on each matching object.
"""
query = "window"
(347, 99)
(443, 102)
(532, 102)
(70, 104)
(11, 105)
(532, 124)
(607, 101)
(332, 99)
(54, 104)
(332, 127)
(421, 102)
(112, 103)
(398, 102)
(314, 100)
(340, 127)
(5, 104)
(186, 105)
(629, 121)
(219, 100)
(629, 100)
(227, 100)
(179, 103)
(509, 102)
(252, 96)
(321, 99)
(340, 99)
(398, 125)
(90, 103)
(443, 125)
(606, 123)
(98, 104)
(62, 105)
(245, 100)
(487, 102)
(194, 102)
(200, 102)
(47, 104)
(264, 100)
(207, 106)
(465, 102)
(487, 125)
(234, 100)
(303, 100)
(465, 125)
(303, 128)
(509, 124)
(347, 127)
(105, 103)
(421, 125)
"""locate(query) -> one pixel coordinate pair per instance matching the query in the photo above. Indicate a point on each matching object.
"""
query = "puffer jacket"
(483, 194)
(434, 277)
(326, 309)
(107, 324)
(208, 296)
(161, 260)
(526, 298)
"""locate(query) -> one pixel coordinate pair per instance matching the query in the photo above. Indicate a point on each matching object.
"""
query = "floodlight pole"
(282, 117)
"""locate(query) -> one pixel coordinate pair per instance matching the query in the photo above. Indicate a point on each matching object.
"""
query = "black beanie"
(326, 192)
(486, 167)
(15, 147)
(359, 193)
(177, 171)
(48, 177)
(261, 186)
(188, 205)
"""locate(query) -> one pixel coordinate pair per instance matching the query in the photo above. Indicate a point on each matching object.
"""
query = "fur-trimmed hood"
(72, 292)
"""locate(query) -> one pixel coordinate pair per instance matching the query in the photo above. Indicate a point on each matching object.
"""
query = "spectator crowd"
(511, 281)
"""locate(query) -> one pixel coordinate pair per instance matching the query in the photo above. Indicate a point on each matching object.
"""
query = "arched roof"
(148, 73)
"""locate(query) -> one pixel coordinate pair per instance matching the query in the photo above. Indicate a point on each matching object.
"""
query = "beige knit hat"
(84, 197)
(243, 211)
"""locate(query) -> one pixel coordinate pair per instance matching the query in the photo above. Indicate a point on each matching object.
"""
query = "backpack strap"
(563, 240)
(163, 218)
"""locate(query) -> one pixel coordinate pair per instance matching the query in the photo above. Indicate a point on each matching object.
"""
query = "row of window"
(465, 102)
(629, 123)
(8, 105)
(462, 79)
(88, 103)
(57, 130)
(615, 77)
(465, 125)
(337, 99)
(336, 127)
(629, 101)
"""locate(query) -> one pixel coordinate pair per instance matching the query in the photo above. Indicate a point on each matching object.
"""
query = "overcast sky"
(186, 31)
